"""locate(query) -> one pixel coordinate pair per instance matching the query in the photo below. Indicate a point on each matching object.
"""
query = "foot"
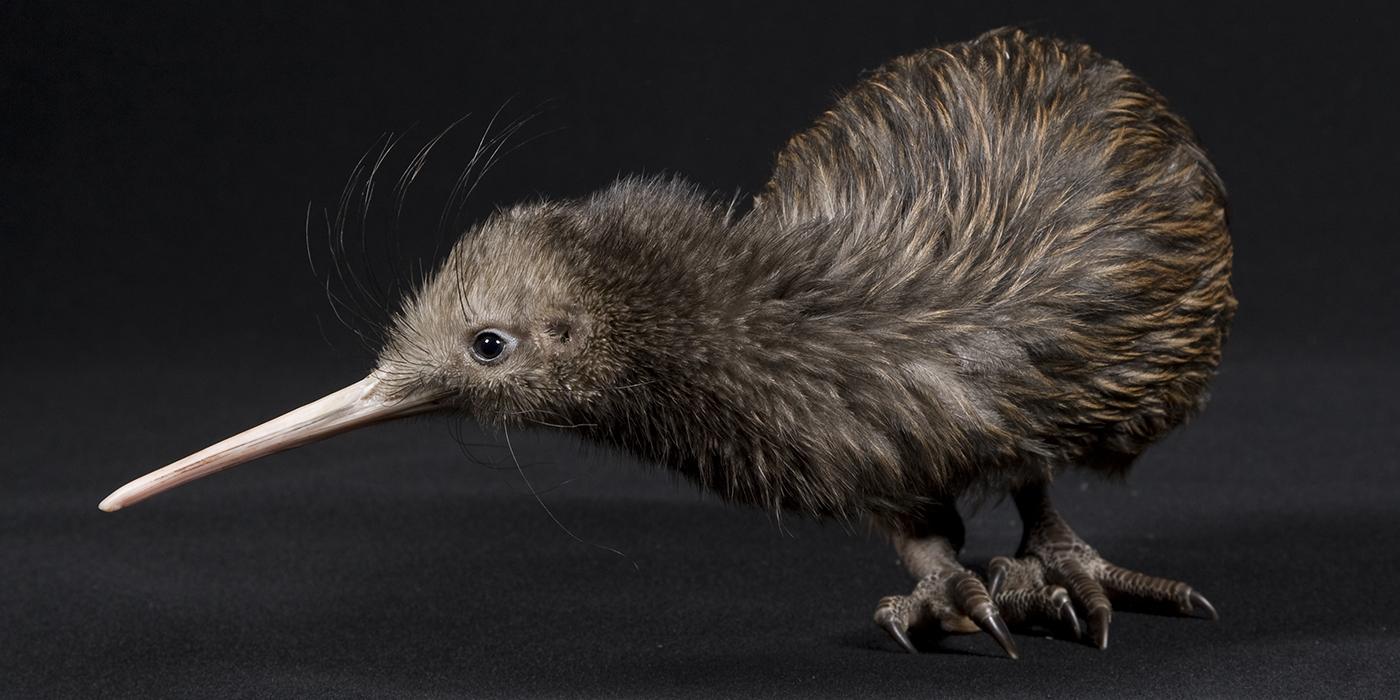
(1056, 571)
(954, 599)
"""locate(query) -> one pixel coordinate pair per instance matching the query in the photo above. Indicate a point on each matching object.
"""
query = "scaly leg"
(1054, 566)
(947, 593)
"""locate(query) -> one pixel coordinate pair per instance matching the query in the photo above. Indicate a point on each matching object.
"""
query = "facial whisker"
(550, 513)
(551, 425)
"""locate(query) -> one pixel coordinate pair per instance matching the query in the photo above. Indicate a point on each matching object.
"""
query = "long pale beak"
(360, 404)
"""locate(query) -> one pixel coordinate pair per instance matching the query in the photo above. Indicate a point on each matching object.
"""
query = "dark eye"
(491, 345)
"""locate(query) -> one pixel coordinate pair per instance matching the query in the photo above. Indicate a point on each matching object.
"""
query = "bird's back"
(1035, 211)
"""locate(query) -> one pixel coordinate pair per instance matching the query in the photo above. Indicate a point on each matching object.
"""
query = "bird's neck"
(708, 346)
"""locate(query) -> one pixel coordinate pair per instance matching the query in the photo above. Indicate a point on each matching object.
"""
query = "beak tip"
(109, 504)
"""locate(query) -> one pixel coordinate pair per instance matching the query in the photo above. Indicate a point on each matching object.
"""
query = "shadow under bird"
(987, 263)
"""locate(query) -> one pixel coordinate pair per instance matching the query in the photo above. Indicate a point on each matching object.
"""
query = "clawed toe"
(1199, 602)
(957, 601)
(1056, 579)
(894, 623)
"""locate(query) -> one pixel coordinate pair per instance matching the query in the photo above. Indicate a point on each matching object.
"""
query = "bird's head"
(508, 330)
(505, 332)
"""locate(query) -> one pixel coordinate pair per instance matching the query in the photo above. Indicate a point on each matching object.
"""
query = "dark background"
(157, 295)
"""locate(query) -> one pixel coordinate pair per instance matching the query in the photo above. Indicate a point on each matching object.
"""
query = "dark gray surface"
(386, 563)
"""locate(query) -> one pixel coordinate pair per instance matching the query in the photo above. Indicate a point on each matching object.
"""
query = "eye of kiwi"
(491, 346)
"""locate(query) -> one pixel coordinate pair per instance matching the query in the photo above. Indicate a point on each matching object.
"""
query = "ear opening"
(561, 330)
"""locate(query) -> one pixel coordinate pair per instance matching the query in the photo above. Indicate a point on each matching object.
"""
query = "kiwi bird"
(987, 263)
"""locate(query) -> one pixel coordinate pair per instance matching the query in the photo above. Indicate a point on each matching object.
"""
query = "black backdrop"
(160, 291)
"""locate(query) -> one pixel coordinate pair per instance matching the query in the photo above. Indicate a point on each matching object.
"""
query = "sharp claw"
(1068, 616)
(1199, 602)
(997, 577)
(899, 635)
(992, 624)
(1098, 626)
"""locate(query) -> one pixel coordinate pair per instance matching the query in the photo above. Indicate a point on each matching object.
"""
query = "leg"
(947, 593)
(1054, 566)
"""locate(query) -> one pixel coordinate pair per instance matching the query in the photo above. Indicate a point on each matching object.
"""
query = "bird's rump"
(1035, 211)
